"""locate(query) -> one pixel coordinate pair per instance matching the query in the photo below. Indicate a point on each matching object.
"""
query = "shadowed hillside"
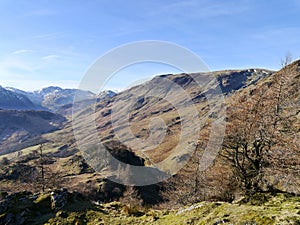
(20, 129)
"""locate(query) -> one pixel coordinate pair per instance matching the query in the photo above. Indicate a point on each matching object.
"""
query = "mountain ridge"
(13, 100)
(52, 97)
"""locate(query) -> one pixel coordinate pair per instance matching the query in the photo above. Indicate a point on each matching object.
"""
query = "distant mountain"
(67, 109)
(10, 99)
(55, 97)
(52, 98)
(105, 94)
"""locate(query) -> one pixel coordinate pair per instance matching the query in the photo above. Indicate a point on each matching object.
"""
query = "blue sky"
(54, 42)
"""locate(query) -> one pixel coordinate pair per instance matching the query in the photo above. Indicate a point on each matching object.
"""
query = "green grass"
(278, 210)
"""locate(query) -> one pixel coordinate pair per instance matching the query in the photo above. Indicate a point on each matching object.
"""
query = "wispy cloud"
(14, 69)
(16, 65)
(22, 51)
(51, 57)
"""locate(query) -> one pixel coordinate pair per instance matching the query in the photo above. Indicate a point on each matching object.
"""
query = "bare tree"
(41, 166)
(257, 122)
(193, 184)
(288, 59)
(247, 140)
(47, 177)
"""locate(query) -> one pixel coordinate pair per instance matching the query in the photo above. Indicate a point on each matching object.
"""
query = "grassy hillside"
(24, 208)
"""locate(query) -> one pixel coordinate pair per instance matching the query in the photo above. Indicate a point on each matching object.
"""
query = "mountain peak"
(13, 100)
(49, 89)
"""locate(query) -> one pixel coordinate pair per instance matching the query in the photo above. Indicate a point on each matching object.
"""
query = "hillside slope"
(161, 97)
(234, 84)
(19, 129)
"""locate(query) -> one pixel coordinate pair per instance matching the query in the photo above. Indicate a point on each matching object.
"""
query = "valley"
(262, 113)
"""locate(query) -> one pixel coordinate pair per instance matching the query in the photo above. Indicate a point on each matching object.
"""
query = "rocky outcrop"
(59, 199)
(27, 208)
